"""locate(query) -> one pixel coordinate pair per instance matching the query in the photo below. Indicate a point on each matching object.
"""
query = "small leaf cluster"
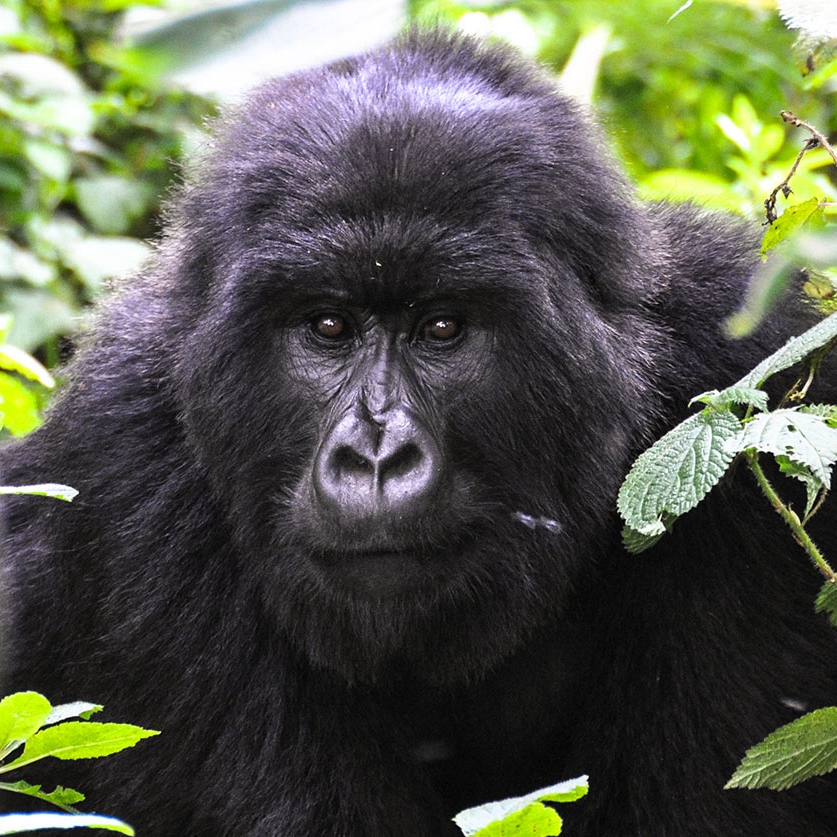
(677, 472)
(522, 814)
(31, 729)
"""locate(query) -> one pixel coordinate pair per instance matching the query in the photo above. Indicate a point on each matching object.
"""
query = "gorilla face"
(395, 356)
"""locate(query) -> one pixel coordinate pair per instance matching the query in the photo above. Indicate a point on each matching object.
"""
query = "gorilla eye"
(441, 329)
(331, 327)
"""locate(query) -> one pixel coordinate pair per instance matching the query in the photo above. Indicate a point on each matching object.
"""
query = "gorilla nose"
(369, 467)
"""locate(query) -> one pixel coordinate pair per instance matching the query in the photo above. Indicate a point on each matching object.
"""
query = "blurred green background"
(101, 100)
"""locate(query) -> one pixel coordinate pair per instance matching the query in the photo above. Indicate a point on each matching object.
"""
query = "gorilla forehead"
(325, 148)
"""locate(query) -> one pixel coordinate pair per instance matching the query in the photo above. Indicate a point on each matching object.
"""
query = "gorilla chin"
(375, 574)
(348, 451)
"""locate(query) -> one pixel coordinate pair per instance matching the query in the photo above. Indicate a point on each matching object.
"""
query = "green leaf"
(18, 405)
(110, 203)
(79, 740)
(677, 471)
(47, 489)
(21, 716)
(16, 360)
(805, 438)
(97, 258)
(790, 221)
(795, 350)
(537, 820)
(827, 601)
(791, 754)
(636, 542)
(811, 249)
(53, 161)
(813, 485)
(748, 396)
(473, 821)
(61, 797)
(22, 823)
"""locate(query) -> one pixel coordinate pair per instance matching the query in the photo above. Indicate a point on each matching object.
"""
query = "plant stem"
(789, 516)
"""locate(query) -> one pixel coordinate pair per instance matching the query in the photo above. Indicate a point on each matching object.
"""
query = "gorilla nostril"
(346, 460)
(366, 470)
(401, 463)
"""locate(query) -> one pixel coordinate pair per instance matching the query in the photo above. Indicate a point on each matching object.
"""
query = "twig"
(814, 141)
(789, 516)
(820, 138)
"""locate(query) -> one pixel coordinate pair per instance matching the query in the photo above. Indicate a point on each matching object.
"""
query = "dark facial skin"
(379, 465)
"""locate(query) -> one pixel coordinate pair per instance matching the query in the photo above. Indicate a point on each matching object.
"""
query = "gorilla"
(348, 452)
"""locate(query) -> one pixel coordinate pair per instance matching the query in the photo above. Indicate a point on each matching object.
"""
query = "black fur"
(320, 666)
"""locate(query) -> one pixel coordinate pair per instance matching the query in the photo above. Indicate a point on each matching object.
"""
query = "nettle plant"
(679, 470)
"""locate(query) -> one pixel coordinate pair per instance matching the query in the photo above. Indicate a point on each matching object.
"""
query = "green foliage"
(32, 729)
(87, 144)
(791, 754)
(756, 158)
(827, 601)
(680, 91)
(805, 213)
(677, 472)
(523, 814)
(815, 251)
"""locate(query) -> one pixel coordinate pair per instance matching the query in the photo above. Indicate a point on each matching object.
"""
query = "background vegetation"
(92, 134)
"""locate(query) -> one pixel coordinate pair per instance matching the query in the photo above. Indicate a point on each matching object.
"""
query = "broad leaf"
(21, 716)
(677, 471)
(805, 438)
(791, 754)
(791, 221)
(636, 542)
(79, 740)
(16, 360)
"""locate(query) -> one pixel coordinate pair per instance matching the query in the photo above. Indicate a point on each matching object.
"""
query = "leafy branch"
(31, 729)
(677, 472)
